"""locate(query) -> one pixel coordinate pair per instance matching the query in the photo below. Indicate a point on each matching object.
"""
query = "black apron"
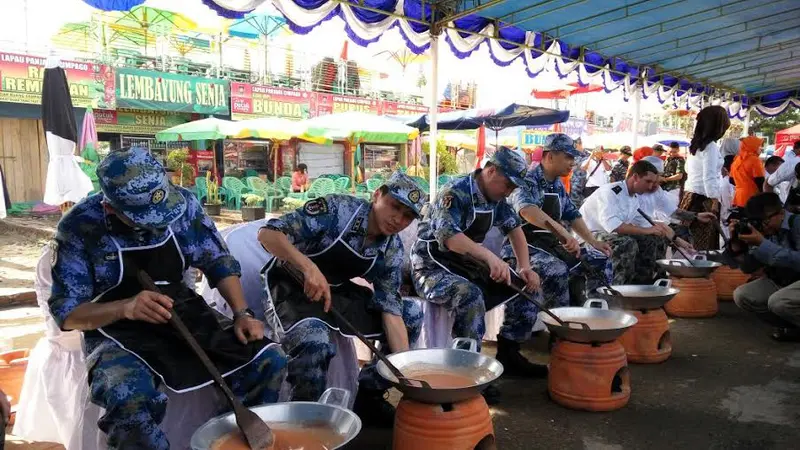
(546, 241)
(494, 294)
(288, 304)
(159, 345)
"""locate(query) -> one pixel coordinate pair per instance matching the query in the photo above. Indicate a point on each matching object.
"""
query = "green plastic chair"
(423, 183)
(250, 173)
(200, 188)
(444, 179)
(285, 184)
(264, 189)
(373, 184)
(319, 188)
(234, 188)
(342, 184)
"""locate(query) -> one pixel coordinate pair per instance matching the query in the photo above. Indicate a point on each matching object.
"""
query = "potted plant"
(213, 204)
(253, 208)
(180, 171)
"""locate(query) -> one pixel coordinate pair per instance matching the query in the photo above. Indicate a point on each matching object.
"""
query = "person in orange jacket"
(747, 170)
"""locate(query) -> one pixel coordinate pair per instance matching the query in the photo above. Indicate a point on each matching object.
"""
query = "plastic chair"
(285, 184)
(444, 179)
(373, 184)
(264, 189)
(319, 188)
(342, 184)
(423, 184)
(200, 188)
(234, 188)
(250, 173)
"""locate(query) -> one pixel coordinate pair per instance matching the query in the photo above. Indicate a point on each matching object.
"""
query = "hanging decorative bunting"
(114, 5)
(233, 9)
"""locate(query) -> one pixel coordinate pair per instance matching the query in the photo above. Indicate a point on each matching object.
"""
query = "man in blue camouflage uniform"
(544, 201)
(141, 222)
(443, 260)
(329, 241)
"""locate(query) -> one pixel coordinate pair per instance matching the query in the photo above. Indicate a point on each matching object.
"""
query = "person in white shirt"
(785, 173)
(703, 168)
(612, 216)
(597, 169)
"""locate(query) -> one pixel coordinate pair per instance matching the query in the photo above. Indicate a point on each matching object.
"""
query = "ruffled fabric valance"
(506, 44)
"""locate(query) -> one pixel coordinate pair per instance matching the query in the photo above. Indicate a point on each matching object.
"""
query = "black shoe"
(373, 409)
(492, 395)
(514, 364)
(786, 335)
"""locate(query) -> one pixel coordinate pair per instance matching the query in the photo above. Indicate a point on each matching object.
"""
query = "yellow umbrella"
(275, 128)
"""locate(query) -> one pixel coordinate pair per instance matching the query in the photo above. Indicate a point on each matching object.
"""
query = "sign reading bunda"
(137, 121)
(250, 101)
(144, 89)
(21, 79)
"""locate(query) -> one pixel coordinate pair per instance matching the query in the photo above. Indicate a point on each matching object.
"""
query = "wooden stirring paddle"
(258, 434)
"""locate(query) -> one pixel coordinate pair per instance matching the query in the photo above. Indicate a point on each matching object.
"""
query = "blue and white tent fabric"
(507, 43)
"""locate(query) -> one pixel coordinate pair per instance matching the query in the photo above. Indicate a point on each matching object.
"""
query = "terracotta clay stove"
(697, 298)
(465, 425)
(649, 341)
(727, 280)
(590, 377)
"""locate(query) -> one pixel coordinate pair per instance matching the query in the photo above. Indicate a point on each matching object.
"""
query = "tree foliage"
(768, 126)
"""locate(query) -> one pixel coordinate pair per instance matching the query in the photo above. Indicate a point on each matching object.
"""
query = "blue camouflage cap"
(511, 164)
(406, 191)
(559, 142)
(136, 185)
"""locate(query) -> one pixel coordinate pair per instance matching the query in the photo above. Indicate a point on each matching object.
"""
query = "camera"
(741, 226)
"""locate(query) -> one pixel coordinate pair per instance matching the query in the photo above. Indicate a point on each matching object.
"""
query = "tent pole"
(434, 175)
(746, 128)
(637, 99)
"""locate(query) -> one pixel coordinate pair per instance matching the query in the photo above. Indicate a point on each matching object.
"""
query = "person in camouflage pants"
(634, 257)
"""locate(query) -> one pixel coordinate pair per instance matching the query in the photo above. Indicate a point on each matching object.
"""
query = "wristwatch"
(246, 312)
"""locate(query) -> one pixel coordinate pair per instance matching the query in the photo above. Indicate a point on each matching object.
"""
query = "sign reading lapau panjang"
(159, 91)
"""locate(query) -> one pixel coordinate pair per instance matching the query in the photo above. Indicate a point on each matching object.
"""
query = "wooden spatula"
(257, 433)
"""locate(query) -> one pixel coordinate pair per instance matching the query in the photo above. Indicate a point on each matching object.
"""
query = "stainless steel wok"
(330, 410)
(604, 325)
(640, 296)
(469, 363)
(699, 267)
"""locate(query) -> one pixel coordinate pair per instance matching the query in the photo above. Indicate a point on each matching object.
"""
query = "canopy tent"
(741, 50)
(497, 118)
(559, 92)
(785, 139)
(666, 139)
(205, 129)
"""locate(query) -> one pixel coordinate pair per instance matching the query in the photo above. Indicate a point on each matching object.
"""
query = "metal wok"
(640, 296)
(604, 325)
(330, 410)
(469, 363)
(699, 267)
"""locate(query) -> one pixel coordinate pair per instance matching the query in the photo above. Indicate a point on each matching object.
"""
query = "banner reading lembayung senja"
(21, 81)
(249, 101)
(138, 121)
(160, 91)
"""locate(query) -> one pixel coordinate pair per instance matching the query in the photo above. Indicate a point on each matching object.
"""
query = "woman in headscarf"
(703, 167)
(747, 171)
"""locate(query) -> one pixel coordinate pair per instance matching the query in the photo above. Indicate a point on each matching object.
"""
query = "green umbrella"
(356, 127)
(211, 128)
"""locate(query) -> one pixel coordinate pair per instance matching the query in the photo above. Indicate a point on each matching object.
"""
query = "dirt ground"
(19, 252)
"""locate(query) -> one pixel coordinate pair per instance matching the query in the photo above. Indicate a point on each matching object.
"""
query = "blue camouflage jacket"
(86, 260)
(536, 186)
(321, 221)
(453, 212)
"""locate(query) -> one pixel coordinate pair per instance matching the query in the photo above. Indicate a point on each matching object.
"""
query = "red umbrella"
(566, 92)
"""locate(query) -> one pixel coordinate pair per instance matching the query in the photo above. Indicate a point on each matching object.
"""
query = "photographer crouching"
(769, 243)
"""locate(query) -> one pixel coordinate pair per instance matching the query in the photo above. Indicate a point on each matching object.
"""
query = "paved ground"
(726, 386)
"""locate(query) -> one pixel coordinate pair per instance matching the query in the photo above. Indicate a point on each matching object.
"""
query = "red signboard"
(251, 100)
(402, 109)
(334, 103)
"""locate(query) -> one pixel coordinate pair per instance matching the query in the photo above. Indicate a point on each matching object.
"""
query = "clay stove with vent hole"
(453, 418)
(589, 368)
(698, 293)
